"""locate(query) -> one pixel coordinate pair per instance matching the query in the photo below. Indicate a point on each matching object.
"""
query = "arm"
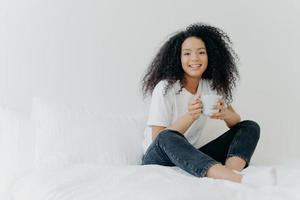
(231, 118)
(180, 125)
(184, 122)
(227, 114)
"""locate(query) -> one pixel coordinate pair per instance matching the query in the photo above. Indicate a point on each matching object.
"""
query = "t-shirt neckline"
(198, 89)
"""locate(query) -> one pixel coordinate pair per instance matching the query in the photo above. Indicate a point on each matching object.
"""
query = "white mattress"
(87, 182)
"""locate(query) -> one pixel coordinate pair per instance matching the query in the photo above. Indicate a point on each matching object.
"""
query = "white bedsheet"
(87, 182)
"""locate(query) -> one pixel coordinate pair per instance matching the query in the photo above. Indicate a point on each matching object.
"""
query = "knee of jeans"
(255, 128)
(166, 136)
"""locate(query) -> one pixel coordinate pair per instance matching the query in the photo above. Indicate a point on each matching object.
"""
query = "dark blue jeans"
(171, 148)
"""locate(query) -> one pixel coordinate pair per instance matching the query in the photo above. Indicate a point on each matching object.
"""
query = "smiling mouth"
(195, 66)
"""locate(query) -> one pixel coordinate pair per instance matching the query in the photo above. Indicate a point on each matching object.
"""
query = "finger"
(212, 114)
(222, 108)
(195, 99)
(197, 96)
(223, 104)
(198, 103)
(196, 107)
(215, 116)
(218, 107)
(196, 113)
(212, 117)
(218, 114)
(195, 102)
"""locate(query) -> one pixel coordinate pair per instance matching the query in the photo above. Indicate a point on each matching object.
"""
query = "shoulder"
(161, 94)
(161, 87)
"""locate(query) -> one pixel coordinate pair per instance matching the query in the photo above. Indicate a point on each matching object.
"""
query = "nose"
(195, 56)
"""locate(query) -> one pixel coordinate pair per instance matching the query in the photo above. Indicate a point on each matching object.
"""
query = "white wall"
(94, 53)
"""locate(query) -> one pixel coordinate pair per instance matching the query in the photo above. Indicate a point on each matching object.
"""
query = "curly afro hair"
(221, 70)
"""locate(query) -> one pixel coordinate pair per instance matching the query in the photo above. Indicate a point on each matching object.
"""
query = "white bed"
(59, 152)
(87, 182)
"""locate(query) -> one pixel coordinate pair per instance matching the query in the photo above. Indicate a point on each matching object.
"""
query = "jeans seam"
(158, 150)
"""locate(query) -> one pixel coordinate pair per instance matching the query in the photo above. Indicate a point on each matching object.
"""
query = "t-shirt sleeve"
(160, 112)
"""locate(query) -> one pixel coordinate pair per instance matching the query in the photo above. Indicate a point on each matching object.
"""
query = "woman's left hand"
(221, 110)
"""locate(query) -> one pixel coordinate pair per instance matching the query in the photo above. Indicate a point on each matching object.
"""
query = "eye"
(186, 54)
(202, 52)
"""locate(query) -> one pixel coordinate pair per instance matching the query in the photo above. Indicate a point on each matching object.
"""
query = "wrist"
(227, 114)
(189, 117)
(230, 116)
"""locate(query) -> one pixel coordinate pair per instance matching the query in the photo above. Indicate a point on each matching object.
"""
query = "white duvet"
(150, 182)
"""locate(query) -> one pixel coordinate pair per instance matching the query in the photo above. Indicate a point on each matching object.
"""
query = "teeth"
(194, 66)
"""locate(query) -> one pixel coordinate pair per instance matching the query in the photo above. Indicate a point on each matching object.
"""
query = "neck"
(191, 85)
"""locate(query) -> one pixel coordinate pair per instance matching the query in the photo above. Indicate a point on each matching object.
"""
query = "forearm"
(232, 118)
(182, 124)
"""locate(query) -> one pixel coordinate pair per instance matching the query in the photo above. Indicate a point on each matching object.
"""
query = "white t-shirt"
(165, 110)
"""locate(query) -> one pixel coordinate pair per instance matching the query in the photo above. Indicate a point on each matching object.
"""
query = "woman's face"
(194, 58)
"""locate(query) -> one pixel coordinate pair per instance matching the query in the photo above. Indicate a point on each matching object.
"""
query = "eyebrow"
(191, 50)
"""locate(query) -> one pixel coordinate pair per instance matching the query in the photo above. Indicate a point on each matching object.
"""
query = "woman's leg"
(235, 148)
(171, 148)
(220, 171)
(235, 163)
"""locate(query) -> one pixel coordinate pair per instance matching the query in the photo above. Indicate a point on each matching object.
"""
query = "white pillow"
(65, 135)
(16, 147)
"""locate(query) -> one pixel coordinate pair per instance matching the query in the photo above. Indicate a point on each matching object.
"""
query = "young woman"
(196, 61)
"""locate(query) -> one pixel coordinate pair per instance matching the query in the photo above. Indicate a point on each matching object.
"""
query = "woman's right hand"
(195, 107)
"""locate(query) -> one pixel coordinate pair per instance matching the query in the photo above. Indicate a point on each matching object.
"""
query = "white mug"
(209, 101)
